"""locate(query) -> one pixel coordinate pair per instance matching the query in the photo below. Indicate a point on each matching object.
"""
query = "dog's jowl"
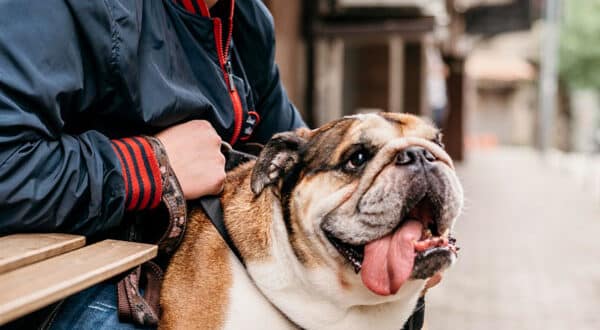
(339, 228)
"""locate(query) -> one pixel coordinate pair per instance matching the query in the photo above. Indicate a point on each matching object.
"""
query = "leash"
(145, 309)
(132, 305)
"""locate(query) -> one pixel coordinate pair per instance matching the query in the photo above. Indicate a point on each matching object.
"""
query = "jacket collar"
(199, 7)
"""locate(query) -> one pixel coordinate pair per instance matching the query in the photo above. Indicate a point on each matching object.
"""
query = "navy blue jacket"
(75, 74)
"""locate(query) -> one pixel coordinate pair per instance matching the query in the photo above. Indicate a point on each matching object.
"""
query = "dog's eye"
(357, 160)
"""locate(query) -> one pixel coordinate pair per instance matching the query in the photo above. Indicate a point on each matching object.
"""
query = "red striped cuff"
(143, 185)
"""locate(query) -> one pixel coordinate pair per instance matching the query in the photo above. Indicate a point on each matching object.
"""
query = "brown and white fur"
(294, 276)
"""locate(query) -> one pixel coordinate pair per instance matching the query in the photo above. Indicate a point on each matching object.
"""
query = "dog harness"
(145, 309)
(214, 211)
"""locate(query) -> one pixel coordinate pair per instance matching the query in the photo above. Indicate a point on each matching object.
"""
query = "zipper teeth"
(229, 34)
(238, 114)
(219, 42)
(237, 128)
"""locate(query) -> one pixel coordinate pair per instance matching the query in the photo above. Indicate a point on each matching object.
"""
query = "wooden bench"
(39, 269)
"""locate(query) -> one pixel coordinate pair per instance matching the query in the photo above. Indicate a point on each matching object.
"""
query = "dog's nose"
(414, 155)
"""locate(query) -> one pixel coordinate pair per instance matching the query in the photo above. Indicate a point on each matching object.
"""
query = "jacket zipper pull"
(229, 75)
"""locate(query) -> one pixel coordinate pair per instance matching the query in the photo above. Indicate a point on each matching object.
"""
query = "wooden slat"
(27, 289)
(23, 249)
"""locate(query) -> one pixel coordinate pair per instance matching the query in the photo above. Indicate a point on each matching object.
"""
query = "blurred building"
(503, 98)
(339, 57)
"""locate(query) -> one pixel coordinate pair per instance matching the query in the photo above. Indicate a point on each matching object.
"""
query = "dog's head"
(371, 198)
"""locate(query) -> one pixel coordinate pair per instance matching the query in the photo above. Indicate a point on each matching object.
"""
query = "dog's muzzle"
(399, 226)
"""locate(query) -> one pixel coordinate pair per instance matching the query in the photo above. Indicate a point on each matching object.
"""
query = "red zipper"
(227, 73)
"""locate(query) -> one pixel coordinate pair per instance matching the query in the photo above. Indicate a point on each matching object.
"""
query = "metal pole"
(548, 73)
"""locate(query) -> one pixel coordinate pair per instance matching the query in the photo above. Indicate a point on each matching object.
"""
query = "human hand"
(194, 151)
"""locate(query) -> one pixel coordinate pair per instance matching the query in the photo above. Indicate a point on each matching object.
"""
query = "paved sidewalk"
(530, 256)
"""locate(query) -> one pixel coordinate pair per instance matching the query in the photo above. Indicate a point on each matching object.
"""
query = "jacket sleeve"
(254, 36)
(51, 180)
(277, 112)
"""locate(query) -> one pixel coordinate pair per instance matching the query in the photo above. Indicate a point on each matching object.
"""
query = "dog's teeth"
(357, 266)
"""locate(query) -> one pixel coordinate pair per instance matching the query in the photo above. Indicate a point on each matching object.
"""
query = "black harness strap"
(211, 205)
(214, 211)
(417, 319)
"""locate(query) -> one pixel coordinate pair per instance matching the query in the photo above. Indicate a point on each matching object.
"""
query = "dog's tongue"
(388, 261)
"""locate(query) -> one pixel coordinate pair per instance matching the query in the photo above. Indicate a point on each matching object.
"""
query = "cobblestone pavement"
(530, 249)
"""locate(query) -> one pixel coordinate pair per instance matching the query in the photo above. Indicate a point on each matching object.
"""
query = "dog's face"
(371, 199)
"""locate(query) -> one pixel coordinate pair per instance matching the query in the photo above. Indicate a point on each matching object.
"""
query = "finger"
(222, 188)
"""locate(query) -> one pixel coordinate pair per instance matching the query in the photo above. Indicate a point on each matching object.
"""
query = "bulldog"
(338, 227)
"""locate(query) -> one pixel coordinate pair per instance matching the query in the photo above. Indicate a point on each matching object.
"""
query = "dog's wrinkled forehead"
(329, 144)
(333, 146)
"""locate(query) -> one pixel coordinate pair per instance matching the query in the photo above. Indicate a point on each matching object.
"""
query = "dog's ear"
(277, 158)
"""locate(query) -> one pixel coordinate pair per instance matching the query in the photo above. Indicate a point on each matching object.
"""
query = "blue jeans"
(94, 308)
